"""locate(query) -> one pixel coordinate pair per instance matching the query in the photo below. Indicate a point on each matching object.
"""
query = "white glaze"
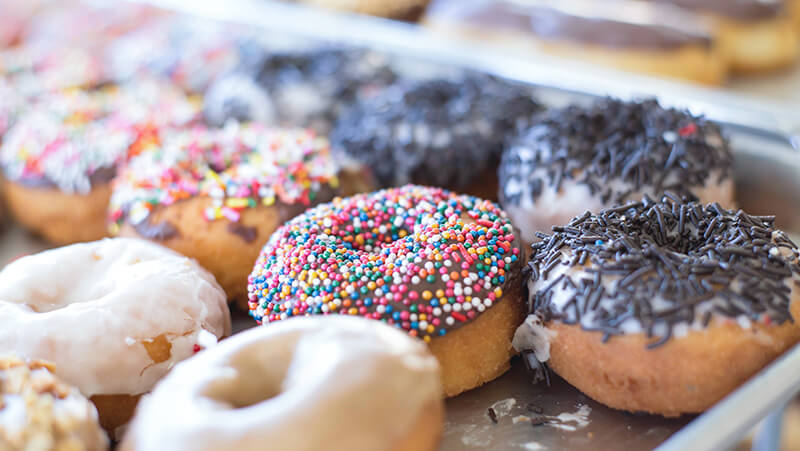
(533, 335)
(557, 207)
(93, 298)
(332, 383)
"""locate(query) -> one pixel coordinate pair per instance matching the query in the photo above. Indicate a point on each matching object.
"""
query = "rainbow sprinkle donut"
(436, 264)
(217, 195)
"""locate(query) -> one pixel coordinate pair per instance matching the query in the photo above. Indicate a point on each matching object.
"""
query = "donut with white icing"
(61, 152)
(36, 408)
(114, 316)
(313, 383)
(662, 307)
(586, 158)
(441, 266)
(216, 195)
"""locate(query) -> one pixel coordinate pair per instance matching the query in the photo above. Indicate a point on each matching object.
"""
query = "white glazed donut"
(332, 383)
(579, 159)
(114, 316)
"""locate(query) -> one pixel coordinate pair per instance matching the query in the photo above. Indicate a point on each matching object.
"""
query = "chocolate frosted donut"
(302, 88)
(633, 35)
(447, 133)
(589, 158)
(443, 267)
(663, 307)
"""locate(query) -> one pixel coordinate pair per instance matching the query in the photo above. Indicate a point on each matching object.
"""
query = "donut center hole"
(251, 382)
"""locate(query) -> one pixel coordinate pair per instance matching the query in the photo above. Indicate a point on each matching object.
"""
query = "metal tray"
(767, 169)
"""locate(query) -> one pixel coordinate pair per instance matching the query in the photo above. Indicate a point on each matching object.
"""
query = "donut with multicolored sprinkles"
(593, 157)
(622, 299)
(216, 195)
(443, 267)
(61, 152)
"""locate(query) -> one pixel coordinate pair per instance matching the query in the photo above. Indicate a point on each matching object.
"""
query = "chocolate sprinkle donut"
(307, 88)
(651, 266)
(619, 150)
(435, 132)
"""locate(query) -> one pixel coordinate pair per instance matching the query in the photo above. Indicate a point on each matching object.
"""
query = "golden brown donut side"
(216, 245)
(480, 351)
(57, 216)
(684, 375)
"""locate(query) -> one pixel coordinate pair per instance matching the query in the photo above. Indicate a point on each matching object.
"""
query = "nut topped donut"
(663, 307)
(113, 316)
(38, 411)
(61, 154)
(439, 132)
(611, 152)
(216, 195)
(441, 266)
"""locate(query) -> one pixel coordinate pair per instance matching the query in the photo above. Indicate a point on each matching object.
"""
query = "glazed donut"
(441, 266)
(113, 316)
(447, 133)
(189, 52)
(216, 195)
(755, 35)
(38, 411)
(634, 35)
(61, 154)
(589, 158)
(299, 385)
(298, 87)
(662, 307)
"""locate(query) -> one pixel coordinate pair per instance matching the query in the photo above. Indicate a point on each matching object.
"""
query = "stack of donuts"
(398, 239)
(705, 41)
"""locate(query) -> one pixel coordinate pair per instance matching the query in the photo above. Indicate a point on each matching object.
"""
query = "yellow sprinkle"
(427, 295)
(498, 292)
(427, 338)
(353, 311)
(237, 202)
(430, 329)
(268, 200)
(213, 175)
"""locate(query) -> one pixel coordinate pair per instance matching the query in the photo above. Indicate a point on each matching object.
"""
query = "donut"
(190, 52)
(39, 411)
(634, 36)
(62, 152)
(439, 132)
(113, 315)
(441, 266)
(755, 35)
(216, 195)
(298, 87)
(303, 384)
(662, 307)
(581, 158)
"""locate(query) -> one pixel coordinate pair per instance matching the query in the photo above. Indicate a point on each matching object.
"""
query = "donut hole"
(248, 381)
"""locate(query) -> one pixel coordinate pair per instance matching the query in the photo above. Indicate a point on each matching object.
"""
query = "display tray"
(557, 416)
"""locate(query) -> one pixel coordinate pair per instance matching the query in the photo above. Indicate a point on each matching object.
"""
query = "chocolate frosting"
(631, 25)
(248, 234)
(100, 176)
(744, 10)
(161, 231)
